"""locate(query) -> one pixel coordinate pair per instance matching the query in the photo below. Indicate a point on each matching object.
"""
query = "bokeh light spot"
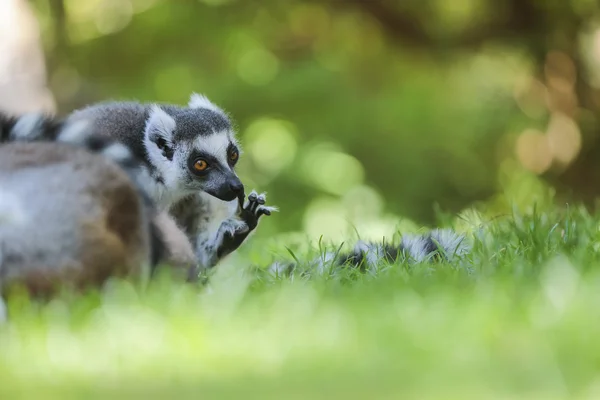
(309, 20)
(271, 143)
(257, 66)
(533, 151)
(458, 13)
(113, 15)
(327, 217)
(564, 138)
(363, 202)
(560, 71)
(530, 95)
(596, 46)
(93, 18)
(359, 210)
(332, 170)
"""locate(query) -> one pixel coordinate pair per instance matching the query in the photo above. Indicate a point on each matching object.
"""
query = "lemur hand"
(253, 209)
(249, 214)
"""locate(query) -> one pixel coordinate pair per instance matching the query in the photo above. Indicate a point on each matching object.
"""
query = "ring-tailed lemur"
(441, 244)
(70, 216)
(167, 138)
(191, 153)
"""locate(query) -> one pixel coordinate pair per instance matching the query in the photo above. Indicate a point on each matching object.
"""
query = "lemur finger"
(253, 206)
(241, 202)
(265, 210)
(252, 196)
(262, 211)
(260, 200)
(255, 201)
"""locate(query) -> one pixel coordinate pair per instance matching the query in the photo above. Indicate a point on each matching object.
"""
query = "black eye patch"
(212, 162)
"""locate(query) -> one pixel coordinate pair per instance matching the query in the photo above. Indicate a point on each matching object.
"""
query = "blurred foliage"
(354, 112)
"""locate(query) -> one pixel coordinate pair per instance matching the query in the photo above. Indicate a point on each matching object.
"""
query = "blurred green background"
(354, 114)
(371, 115)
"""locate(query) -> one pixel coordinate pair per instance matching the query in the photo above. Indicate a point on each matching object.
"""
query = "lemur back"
(68, 216)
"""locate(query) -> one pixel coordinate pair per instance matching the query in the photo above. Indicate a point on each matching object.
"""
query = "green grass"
(518, 318)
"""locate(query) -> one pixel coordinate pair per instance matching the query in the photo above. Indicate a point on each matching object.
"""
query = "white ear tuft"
(159, 125)
(201, 101)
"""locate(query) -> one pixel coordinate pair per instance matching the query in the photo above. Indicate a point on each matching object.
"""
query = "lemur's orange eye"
(234, 156)
(200, 165)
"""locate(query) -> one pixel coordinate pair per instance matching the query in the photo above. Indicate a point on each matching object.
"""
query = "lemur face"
(194, 149)
(210, 162)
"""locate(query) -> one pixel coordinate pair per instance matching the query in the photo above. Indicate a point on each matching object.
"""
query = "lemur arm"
(214, 235)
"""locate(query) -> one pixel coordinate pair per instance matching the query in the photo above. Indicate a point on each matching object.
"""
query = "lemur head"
(194, 148)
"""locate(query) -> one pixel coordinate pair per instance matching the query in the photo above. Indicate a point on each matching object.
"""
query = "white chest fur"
(218, 211)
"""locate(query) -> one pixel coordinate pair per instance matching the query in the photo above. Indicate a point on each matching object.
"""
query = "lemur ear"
(201, 101)
(159, 131)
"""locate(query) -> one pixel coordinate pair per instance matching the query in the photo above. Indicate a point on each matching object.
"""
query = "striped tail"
(36, 127)
(439, 244)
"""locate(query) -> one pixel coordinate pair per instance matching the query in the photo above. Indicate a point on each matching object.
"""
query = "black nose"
(236, 187)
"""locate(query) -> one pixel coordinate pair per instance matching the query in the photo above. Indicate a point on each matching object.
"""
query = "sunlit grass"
(517, 318)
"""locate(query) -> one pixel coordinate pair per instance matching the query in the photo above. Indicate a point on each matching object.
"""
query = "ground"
(517, 318)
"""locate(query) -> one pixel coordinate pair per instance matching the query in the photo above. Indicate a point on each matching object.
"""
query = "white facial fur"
(219, 211)
(161, 124)
(215, 145)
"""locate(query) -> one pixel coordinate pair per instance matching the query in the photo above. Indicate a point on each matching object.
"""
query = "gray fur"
(82, 219)
(70, 217)
(414, 248)
(72, 210)
(168, 138)
(453, 245)
(37, 127)
(417, 247)
(126, 122)
(183, 130)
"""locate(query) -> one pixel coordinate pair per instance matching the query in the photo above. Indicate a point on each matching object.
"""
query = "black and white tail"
(439, 244)
(37, 127)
